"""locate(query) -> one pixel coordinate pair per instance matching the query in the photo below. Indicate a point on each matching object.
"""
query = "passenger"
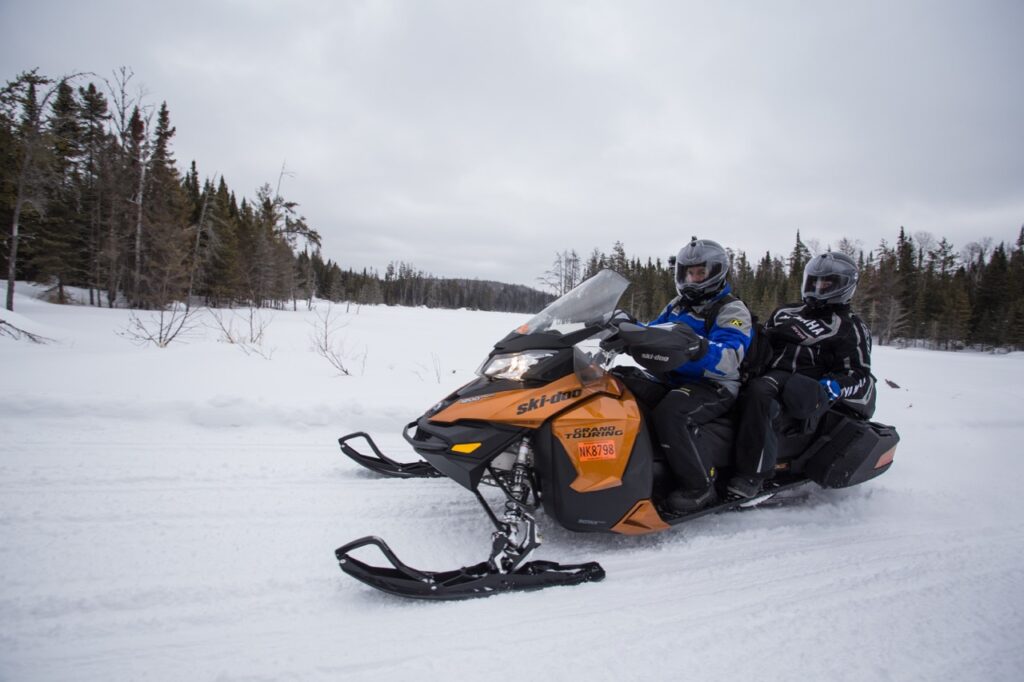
(821, 353)
(706, 386)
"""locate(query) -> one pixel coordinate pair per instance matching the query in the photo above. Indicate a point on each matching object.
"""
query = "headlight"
(513, 365)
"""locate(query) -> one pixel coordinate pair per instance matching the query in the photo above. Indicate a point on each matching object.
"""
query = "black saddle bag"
(849, 451)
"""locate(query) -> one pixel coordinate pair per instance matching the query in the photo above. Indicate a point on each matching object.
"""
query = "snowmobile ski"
(382, 464)
(468, 582)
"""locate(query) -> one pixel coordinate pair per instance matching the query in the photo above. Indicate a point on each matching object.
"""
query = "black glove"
(804, 397)
(790, 332)
(698, 345)
(613, 344)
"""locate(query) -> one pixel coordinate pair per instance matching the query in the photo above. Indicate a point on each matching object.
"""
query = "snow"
(171, 514)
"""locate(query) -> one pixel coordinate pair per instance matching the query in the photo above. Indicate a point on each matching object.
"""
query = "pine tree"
(25, 179)
(96, 182)
(798, 258)
(990, 320)
(58, 248)
(742, 275)
(166, 250)
(907, 279)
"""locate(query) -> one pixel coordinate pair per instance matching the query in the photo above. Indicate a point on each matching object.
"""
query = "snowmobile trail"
(161, 548)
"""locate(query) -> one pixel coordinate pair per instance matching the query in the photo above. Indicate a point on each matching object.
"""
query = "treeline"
(93, 198)
(403, 284)
(92, 194)
(90, 190)
(918, 291)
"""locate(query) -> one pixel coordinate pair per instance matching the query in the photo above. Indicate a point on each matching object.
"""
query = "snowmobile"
(555, 420)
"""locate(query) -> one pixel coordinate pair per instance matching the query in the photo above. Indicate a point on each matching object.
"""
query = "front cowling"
(461, 451)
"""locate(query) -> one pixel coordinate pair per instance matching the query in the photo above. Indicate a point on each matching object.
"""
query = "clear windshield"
(589, 303)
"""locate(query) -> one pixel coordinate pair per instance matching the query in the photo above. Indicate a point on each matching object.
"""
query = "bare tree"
(850, 248)
(161, 327)
(891, 320)
(326, 343)
(16, 333)
(925, 241)
(249, 338)
(564, 274)
(131, 119)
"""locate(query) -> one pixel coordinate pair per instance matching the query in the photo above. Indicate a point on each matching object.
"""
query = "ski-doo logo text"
(550, 399)
(652, 356)
(594, 432)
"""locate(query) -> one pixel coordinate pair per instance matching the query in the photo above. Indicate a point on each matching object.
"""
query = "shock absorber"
(517, 538)
(520, 487)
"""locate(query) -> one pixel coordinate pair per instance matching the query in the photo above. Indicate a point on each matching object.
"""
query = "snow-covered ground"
(171, 514)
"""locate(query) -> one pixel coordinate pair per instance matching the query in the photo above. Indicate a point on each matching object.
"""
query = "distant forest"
(918, 291)
(92, 197)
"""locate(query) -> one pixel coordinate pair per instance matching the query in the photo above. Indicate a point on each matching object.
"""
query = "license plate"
(599, 449)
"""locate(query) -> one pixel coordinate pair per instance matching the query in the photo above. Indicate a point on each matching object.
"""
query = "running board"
(732, 501)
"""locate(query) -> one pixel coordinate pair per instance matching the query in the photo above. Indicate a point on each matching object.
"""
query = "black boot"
(745, 486)
(685, 501)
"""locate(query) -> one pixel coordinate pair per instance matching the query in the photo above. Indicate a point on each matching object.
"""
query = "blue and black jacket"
(728, 335)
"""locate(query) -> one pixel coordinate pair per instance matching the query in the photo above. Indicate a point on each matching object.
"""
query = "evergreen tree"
(96, 182)
(166, 247)
(25, 178)
(798, 258)
(990, 321)
(58, 247)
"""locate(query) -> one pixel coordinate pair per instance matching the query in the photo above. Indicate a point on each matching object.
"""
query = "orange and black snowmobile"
(549, 424)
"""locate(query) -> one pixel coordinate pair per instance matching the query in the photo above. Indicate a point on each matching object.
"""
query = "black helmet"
(701, 252)
(829, 278)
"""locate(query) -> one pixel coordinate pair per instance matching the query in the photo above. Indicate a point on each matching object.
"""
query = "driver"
(706, 386)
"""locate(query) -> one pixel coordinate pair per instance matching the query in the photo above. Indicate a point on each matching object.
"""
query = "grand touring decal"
(549, 399)
(594, 432)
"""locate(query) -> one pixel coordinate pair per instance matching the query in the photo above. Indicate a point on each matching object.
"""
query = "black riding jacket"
(828, 343)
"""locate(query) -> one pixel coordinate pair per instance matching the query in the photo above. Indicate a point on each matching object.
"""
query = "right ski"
(384, 465)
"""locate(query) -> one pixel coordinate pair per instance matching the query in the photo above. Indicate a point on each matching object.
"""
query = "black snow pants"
(676, 416)
(757, 443)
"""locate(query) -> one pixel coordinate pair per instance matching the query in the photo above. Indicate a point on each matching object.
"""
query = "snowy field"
(171, 514)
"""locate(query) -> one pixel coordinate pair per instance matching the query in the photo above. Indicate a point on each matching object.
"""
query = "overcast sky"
(476, 138)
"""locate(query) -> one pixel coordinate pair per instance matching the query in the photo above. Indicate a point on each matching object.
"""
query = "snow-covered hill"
(171, 514)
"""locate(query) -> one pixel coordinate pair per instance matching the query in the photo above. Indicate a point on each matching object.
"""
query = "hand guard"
(698, 345)
(613, 344)
(619, 316)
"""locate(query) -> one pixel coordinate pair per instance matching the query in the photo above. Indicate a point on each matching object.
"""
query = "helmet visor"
(692, 273)
(824, 286)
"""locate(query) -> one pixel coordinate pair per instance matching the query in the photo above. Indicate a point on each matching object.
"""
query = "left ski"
(468, 582)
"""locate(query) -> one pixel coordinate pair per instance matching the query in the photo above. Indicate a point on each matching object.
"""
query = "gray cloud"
(478, 138)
